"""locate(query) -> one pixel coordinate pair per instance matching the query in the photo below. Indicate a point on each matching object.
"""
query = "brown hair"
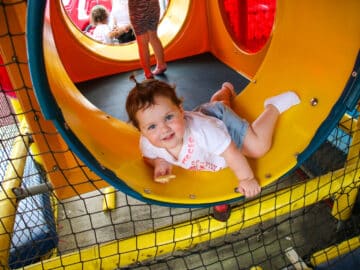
(99, 14)
(143, 96)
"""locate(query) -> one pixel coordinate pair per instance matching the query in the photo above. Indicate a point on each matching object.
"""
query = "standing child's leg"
(144, 54)
(159, 53)
(258, 139)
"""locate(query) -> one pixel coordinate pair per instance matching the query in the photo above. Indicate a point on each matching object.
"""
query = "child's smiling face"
(163, 124)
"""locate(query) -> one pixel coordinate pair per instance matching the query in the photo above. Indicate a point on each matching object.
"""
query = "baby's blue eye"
(151, 127)
(169, 117)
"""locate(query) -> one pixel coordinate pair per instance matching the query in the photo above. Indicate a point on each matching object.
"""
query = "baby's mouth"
(168, 137)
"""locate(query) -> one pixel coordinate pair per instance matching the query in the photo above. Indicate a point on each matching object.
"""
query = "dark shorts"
(144, 15)
(236, 126)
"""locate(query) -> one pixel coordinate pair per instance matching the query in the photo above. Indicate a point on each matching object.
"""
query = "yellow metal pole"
(123, 253)
(109, 201)
(17, 109)
(344, 202)
(12, 179)
(352, 127)
(335, 251)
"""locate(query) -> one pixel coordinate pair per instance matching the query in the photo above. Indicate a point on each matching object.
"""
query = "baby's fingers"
(253, 192)
(239, 189)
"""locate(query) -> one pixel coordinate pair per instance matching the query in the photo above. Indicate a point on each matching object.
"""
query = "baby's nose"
(165, 127)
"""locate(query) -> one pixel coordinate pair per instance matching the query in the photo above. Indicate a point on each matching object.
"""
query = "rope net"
(87, 231)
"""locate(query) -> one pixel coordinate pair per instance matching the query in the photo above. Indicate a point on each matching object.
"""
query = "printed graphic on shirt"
(196, 164)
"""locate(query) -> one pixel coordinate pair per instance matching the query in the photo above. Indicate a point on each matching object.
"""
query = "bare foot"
(159, 70)
(225, 94)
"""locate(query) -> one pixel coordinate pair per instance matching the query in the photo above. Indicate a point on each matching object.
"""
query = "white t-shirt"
(101, 33)
(205, 139)
(119, 13)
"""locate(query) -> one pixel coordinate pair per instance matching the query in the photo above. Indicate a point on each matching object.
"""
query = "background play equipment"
(135, 232)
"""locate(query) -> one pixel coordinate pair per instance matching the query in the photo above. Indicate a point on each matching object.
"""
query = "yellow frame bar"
(140, 248)
(344, 202)
(335, 251)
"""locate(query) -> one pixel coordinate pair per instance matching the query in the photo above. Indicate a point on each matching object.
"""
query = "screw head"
(314, 101)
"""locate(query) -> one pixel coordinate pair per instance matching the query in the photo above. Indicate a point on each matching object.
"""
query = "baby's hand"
(249, 187)
(162, 171)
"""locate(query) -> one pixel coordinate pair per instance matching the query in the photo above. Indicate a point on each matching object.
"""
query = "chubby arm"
(161, 167)
(248, 185)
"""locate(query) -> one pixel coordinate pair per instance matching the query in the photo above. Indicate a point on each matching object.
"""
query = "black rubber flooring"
(196, 79)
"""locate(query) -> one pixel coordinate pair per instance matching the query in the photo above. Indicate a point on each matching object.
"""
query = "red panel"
(250, 22)
(5, 83)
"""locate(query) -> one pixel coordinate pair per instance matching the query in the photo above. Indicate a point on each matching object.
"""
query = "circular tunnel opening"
(79, 13)
(173, 17)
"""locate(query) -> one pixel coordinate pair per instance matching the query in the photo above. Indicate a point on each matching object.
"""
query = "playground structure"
(70, 178)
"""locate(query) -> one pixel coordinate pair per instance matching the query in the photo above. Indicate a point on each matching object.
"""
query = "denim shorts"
(236, 126)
